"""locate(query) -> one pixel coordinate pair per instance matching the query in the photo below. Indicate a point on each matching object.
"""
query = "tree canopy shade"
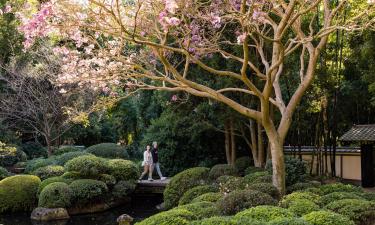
(154, 45)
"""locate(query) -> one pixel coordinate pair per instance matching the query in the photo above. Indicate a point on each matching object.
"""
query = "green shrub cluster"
(65, 157)
(108, 179)
(238, 200)
(108, 150)
(367, 195)
(10, 155)
(302, 186)
(171, 217)
(48, 171)
(18, 193)
(242, 163)
(267, 188)
(34, 150)
(252, 169)
(221, 170)
(231, 183)
(32, 165)
(339, 187)
(85, 190)
(288, 199)
(334, 196)
(215, 220)
(302, 207)
(194, 192)
(360, 211)
(256, 177)
(265, 213)
(3, 173)
(87, 165)
(51, 180)
(182, 182)
(55, 195)
(326, 218)
(66, 149)
(288, 221)
(295, 170)
(201, 209)
(73, 176)
(208, 197)
(123, 169)
(123, 188)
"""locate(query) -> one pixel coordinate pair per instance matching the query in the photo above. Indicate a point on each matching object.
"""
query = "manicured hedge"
(108, 150)
(18, 193)
(123, 188)
(194, 192)
(242, 164)
(87, 165)
(3, 173)
(265, 188)
(86, 190)
(327, 218)
(65, 157)
(302, 186)
(56, 195)
(288, 199)
(265, 213)
(256, 177)
(123, 169)
(108, 179)
(32, 165)
(334, 196)
(239, 200)
(34, 150)
(202, 209)
(66, 149)
(339, 187)
(48, 171)
(221, 170)
(10, 155)
(52, 180)
(288, 221)
(252, 169)
(208, 197)
(182, 182)
(360, 211)
(215, 220)
(231, 183)
(171, 217)
(302, 207)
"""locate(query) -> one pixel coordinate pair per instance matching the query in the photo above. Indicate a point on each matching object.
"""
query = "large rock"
(124, 219)
(46, 214)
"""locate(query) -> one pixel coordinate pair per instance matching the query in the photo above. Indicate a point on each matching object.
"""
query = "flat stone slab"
(154, 183)
(46, 214)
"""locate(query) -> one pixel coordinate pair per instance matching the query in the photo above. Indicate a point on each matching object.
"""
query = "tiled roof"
(360, 133)
(343, 149)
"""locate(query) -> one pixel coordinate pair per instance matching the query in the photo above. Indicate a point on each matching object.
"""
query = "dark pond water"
(140, 208)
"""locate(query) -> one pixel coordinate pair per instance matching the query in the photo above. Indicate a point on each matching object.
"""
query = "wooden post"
(367, 165)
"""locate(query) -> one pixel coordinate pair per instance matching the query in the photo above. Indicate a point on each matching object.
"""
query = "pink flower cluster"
(7, 9)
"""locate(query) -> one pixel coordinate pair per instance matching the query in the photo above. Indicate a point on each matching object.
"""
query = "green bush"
(295, 170)
(123, 188)
(334, 196)
(55, 195)
(171, 217)
(108, 150)
(34, 150)
(327, 218)
(265, 213)
(202, 209)
(66, 149)
(52, 180)
(288, 221)
(302, 186)
(65, 157)
(208, 197)
(85, 190)
(87, 165)
(288, 199)
(242, 199)
(242, 163)
(221, 170)
(247, 221)
(3, 173)
(109, 180)
(10, 155)
(182, 182)
(360, 211)
(339, 187)
(123, 169)
(215, 220)
(367, 195)
(255, 177)
(18, 193)
(266, 188)
(32, 165)
(194, 192)
(252, 169)
(73, 176)
(48, 171)
(230, 183)
(302, 207)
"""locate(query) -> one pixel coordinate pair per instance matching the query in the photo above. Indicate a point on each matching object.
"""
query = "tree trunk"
(233, 142)
(227, 142)
(261, 152)
(254, 145)
(278, 164)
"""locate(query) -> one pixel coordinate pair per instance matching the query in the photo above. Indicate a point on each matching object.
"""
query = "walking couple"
(150, 161)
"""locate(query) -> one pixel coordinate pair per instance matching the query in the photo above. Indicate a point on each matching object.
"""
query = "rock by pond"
(46, 214)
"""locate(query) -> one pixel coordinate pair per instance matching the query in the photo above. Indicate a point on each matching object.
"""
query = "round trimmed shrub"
(334, 196)
(255, 177)
(66, 149)
(190, 194)
(230, 183)
(123, 188)
(109, 180)
(55, 195)
(87, 165)
(208, 197)
(215, 220)
(123, 169)
(48, 171)
(302, 207)
(295, 170)
(108, 150)
(85, 190)
(266, 188)
(221, 170)
(34, 150)
(3, 173)
(370, 196)
(252, 169)
(32, 165)
(182, 182)
(360, 211)
(302, 186)
(18, 193)
(65, 157)
(247, 221)
(265, 213)
(288, 221)
(202, 209)
(52, 180)
(10, 155)
(288, 199)
(327, 218)
(73, 176)
(339, 187)
(242, 163)
(238, 200)
(171, 217)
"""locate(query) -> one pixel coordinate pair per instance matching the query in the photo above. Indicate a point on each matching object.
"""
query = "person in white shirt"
(147, 164)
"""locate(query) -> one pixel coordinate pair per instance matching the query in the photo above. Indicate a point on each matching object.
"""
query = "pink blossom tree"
(152, 44)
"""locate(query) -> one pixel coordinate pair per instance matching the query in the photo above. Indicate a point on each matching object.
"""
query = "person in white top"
(147, 164)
